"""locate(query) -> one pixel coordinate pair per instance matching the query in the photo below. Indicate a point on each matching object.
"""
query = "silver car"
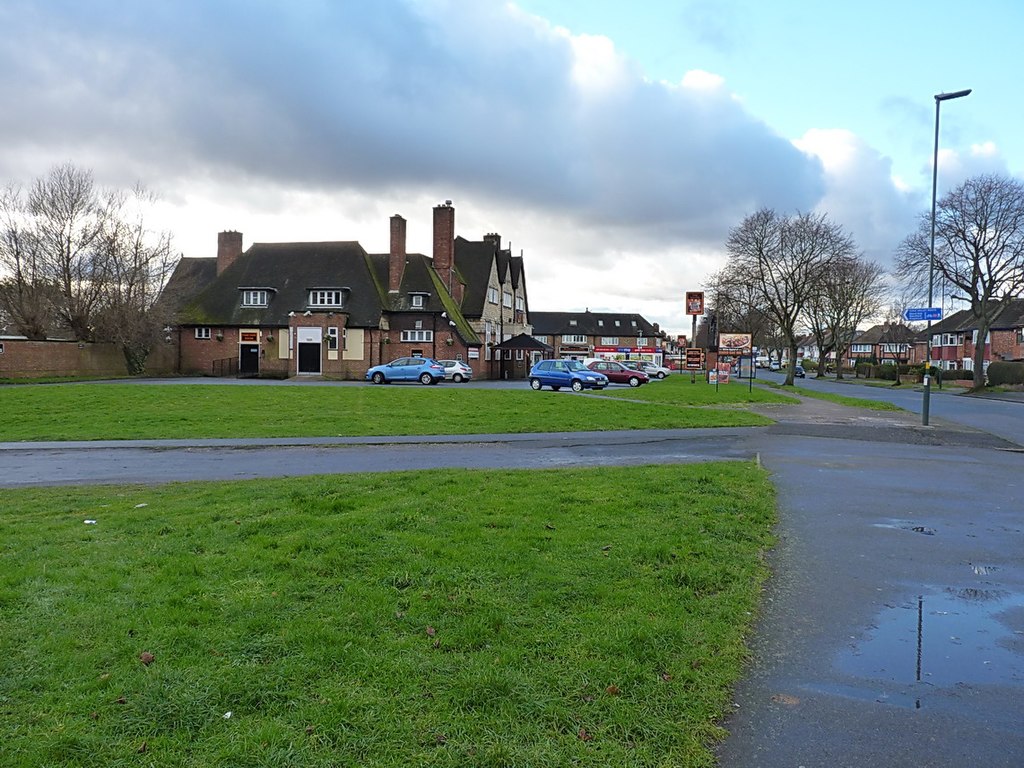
(456, 370)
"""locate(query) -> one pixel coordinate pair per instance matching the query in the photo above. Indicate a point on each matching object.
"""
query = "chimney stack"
(229, 248)
(444, 249)
(396, 259)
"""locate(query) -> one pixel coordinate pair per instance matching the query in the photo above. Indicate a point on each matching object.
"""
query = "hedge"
(1000, 372)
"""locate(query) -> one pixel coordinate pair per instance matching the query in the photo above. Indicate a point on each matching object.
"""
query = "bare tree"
(137, 263)
(852, 291)
(26, 294)
(785, 260)
(68, 218)
(979, 250)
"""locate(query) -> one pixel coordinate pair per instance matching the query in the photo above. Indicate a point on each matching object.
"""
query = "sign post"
(694, 307)
(918, 314)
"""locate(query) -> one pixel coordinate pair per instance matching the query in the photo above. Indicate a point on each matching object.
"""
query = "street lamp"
(939, 98)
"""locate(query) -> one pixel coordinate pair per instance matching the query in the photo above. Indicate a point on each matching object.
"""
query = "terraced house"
(333, 309)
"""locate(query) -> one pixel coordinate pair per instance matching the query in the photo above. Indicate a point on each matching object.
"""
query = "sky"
(612, 144)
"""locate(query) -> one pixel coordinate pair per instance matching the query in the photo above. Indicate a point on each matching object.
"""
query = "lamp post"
(939, 98)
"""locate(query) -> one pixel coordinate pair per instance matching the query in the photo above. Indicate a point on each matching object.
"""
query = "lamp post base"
(926, 401)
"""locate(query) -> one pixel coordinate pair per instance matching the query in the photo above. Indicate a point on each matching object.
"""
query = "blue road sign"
(916, 314)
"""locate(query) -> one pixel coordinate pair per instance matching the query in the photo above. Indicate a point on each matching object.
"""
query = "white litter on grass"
(140, 506)
(227, 715)
(89, 522)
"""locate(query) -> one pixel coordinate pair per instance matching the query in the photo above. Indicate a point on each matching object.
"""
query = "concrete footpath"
(892, 630)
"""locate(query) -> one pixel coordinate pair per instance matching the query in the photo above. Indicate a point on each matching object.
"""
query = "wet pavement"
(892, 629)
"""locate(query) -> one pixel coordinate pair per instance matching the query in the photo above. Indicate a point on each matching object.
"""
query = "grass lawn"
(137, 411)
(677, 389)
(486, 618)
(853, 402)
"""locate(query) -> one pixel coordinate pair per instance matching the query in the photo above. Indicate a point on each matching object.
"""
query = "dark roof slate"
(289, 271)
(524, 341)
(589, 324)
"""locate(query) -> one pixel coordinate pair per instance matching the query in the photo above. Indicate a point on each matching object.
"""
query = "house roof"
(474, 260)
(590, 324)
(524, 341)
(886, 333)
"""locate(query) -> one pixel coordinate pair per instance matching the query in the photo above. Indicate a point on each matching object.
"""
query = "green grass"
(853, 402)
(480, 618)
(678, 389)
(137, 411)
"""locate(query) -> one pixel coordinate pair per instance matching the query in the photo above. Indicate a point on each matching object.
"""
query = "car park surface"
(565, 373)
(425, 370)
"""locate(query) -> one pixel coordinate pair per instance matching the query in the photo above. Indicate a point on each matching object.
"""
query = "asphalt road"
(892, 630)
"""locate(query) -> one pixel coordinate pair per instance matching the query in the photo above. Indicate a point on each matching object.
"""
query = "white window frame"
(506, 299)
(204, 333)
(520, 304)
(609, 341)
(417, 300)
(255, 297)
(492, 295)
(326, 297)
(415, 336)
(574, 338)
(332, 338)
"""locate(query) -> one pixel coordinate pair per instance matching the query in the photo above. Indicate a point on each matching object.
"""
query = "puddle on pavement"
(944, 638)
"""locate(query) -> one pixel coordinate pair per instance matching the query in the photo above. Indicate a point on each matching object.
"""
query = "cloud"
(862, 193)
(324, 114)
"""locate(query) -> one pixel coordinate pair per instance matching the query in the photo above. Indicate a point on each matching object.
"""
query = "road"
(892, 629)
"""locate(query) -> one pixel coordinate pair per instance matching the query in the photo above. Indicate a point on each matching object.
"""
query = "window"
(418, 300)
(202, 333)
(419, 324)
(254, 297)
(520, 304)
(617, 323)
(568, 338)
(326, 297)
(542, 339)
(492, 295)
(633, 323)
(408, 336)
(609, 341)
(507, 299)
(600, 323)
(572, 322)
(332, 338)
(519, 354)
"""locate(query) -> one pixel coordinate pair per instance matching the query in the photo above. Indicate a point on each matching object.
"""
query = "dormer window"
(572, 322)
(255, 297)
(327, 297)
(418, 300)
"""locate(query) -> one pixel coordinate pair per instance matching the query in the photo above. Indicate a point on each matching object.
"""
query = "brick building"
(332, 309)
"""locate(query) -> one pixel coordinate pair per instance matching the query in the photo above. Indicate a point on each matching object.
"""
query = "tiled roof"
(589, 324)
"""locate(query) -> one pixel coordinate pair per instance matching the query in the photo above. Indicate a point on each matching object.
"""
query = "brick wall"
(23, 359)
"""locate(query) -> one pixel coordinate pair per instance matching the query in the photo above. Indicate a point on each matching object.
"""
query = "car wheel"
(661, 374)
(535, 384)
(426, 378)
(634, 381)
(378, 378)
(457, 378)
(577, 386)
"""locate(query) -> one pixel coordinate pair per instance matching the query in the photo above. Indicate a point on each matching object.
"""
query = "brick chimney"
(229, 248)
(396, 259)
(494, 238)
(444, 240)
(444, 249)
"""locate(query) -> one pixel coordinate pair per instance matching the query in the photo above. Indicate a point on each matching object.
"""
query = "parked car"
(646, 366)
(456, 370)
(617, 373)
(774, 365)
(425, 370)
(799, 372)
(565, 373)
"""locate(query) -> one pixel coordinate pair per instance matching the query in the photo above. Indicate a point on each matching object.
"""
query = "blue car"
(566, 373)
(425, 370)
